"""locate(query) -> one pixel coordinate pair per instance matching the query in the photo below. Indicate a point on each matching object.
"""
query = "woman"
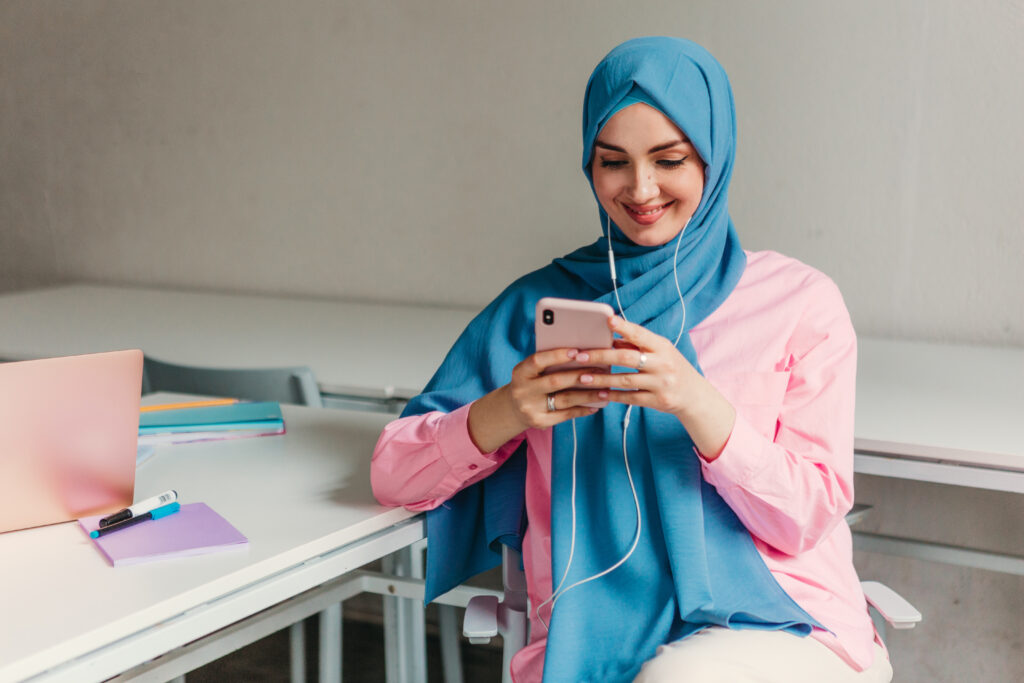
(714, 483)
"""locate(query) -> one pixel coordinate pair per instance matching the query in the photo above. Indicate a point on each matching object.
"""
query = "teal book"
(212, 422)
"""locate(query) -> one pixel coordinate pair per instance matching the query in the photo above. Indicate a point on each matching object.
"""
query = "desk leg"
(330, 644)
(297, 650)
(451, 654)
(404, 637)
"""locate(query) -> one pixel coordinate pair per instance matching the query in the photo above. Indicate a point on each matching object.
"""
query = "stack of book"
(230, 421)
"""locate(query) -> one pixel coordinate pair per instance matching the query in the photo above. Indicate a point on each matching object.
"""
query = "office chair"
(286, 385)
(487, 616)
(295, 385)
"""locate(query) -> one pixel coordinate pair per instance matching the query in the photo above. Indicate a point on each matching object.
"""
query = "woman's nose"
(644, 186)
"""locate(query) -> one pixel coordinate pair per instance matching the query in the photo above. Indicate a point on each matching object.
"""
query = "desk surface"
(948, 403)
(296, 497)
(380, 351)
(952, 403)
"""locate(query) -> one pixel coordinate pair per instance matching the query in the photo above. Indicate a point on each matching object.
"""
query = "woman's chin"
(649, 236)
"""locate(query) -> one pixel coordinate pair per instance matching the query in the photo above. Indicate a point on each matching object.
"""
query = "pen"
(189, 404)
(159, 512)
(142, 507)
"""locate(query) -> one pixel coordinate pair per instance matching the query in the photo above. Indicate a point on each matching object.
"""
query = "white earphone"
(559, 591)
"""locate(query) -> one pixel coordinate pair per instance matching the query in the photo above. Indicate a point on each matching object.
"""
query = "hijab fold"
(695, 564)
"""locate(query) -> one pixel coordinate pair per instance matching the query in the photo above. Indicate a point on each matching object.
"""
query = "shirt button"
(473, 467)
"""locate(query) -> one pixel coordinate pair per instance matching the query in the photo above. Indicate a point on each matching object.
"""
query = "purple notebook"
(194, 530)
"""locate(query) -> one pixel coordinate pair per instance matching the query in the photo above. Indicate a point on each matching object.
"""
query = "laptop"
(69, 431)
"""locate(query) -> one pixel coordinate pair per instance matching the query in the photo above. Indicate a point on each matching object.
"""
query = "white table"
(304, 501)
(948, 414)
(354, 349)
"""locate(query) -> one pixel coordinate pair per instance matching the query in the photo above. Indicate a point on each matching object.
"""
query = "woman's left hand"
(664, 381)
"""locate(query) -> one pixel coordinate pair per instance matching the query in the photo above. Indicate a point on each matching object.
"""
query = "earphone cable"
(559, 591)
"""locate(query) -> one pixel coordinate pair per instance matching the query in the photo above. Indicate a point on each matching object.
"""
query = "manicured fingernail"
(582, 356)
(602, 394)
(572, 353)
(586, 379)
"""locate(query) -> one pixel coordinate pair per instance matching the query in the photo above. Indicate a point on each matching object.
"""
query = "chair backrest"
(295, 385)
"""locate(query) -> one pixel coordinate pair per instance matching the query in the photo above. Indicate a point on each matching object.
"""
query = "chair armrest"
(857, 513)
(481, 620)
(891, 605)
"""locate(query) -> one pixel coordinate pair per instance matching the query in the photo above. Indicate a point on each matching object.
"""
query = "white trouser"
(749, 656)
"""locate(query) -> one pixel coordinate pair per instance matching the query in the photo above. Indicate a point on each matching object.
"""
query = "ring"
(551, 403)
(643, 361)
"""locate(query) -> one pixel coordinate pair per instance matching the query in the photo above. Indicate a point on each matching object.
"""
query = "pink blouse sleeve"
(790, 478)
(421, 461)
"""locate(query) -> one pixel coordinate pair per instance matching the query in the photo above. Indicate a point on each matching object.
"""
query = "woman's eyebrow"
(652, 150)
(667, 145)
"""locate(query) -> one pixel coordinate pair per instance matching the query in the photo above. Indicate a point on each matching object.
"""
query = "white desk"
(354, 349)
(302, 499)
(941, 413)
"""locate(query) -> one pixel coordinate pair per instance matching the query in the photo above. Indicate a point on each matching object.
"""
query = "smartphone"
(573, 324)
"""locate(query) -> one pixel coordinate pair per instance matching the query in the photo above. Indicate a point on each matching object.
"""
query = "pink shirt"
(782, 349)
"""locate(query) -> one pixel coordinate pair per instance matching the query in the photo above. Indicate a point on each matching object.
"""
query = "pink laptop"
(69, 431)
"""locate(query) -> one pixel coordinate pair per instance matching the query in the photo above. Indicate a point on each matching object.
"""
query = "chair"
(487, 616)
(286, 385)
(295, 385)
(887, 606)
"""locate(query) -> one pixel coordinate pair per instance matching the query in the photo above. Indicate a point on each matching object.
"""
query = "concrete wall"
(397, 151)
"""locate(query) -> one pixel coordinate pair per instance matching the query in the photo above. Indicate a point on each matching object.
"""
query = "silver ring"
(643, 361)
(551, 403)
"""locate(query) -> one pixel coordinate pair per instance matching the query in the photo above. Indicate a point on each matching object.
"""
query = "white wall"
(362, 150)
(429, 152)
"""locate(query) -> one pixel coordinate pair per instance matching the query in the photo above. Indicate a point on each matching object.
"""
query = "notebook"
(237, 420)
(195, 530)
(68, 437)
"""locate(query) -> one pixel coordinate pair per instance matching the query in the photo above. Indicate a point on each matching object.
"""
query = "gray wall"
(429, 152)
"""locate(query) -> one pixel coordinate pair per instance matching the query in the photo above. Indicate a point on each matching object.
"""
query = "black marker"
(168, 509)
(140, 508)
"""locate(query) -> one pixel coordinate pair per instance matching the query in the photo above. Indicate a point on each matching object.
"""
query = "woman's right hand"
(523, 403)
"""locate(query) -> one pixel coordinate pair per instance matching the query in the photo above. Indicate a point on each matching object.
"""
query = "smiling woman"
(695, 522)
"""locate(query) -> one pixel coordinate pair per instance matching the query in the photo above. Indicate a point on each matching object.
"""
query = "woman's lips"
(646, 215)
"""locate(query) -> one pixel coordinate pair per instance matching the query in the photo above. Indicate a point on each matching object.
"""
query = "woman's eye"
(671, 163)
(612, 163)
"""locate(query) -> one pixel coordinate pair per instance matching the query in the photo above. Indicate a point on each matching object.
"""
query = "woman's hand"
(664, 381)
(532, 400)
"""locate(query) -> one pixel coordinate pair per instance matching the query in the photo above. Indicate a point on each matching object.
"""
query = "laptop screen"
(68, 437)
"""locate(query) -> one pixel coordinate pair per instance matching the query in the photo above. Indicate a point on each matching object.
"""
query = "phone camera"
(548, 316)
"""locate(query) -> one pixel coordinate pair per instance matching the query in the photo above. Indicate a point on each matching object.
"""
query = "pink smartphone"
(573, 324)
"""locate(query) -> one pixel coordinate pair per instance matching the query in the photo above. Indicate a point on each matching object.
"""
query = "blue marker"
(159, 512)
(139, 508)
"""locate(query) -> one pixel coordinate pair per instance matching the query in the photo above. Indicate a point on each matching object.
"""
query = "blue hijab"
(695, 564)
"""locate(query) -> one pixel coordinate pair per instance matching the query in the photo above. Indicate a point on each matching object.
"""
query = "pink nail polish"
(586, 379)
(583, 356)
(602, 394)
